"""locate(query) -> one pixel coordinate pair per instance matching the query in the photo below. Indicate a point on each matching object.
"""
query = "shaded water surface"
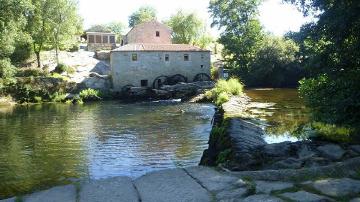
(280, 112)
(46, 145)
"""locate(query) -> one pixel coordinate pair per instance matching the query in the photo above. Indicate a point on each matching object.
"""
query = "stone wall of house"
(146, 33)
(100, 46)
(151, 64)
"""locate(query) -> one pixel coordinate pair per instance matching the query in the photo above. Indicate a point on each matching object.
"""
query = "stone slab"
(170, 185)
(231, 194)
(303, 196)
(337, 187)
(9, 200)
(214, 180)
(119, 189)
(269, 186)
(262, 198)
(57, 194)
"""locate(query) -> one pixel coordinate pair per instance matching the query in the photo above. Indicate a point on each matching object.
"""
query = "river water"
(51, 144)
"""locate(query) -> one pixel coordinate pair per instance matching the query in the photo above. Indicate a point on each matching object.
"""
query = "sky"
(276, 17)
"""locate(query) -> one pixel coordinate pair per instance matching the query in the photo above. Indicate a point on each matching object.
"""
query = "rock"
(262, 198)
(97, 83)
(161, 93)
(305, 151)
(231, 194)
(305, 197)
(316, 161)
(9, 200)
(291, 163)
(236, 105)
(101, 68)
(332, 151)
(268, 186)
(214, 180)
(355, 148)
(337, 187)
(113, 189)
(102, 55)
(57, 194)
(138, 91)
(277, 149)
(170, 185)
(355, 200)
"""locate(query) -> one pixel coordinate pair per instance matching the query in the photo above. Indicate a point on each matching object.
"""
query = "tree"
(275, 64)
(53, 24)
(144, 14)
(65, 24)
(12, 21)
(332, 50)
(99, 28)
(242, 33)
(117, 28)
(187, 27)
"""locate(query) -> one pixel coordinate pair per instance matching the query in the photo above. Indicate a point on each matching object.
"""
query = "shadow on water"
(51, 144)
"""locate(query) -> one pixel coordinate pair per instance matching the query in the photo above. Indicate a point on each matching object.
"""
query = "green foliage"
(144, 14)
(224, 89)
(275, 64)
(7, 70)
(333, 100)
(114, 27)
(61, 68)
(90, 95)
(223, 156)
(27, 72)
(242, 30)
(23, 49)
(59, 76)
(188, 28)
(329, 48)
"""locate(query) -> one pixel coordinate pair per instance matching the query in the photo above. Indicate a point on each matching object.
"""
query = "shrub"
(74, 48)
(224, 89)
(26, 72)
(59, 76)
(7, 70)
(90, 95)
(61, 68)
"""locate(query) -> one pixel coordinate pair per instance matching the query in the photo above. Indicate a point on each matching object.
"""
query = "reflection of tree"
(39, 148)
(286, 116)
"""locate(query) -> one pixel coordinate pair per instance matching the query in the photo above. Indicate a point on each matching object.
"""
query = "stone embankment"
(204, 184)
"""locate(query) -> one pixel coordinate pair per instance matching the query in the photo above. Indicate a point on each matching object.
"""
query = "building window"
(157, 34)
(186, 57)
(167, 57)
(134, 57)
(202, 66)
(91, 39)
(105, 39)
(97, 39)
(144, 83)
(202, 56)
(112, 39)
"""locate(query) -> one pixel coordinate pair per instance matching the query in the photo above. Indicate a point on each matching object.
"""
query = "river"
(45, 145)
(51, 144)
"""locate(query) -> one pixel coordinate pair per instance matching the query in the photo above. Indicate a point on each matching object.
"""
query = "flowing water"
(50, 144)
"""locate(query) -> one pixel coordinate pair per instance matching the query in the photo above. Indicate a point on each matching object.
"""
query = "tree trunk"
(38, 59)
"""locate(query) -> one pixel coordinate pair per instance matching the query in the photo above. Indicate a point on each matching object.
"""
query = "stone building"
(147, 58)
(100, 41)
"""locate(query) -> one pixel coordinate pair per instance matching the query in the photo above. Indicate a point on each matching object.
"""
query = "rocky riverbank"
(204, 184)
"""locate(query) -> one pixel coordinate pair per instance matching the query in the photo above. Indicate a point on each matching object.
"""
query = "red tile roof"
(158, 47)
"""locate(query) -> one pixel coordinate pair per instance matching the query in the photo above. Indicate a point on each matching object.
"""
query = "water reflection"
(46, 145)
(279, 111)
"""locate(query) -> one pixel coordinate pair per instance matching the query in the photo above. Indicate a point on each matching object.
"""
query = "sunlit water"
(279, 112)
(51, 144)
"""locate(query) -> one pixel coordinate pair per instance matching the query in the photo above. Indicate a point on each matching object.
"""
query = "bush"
(90, 95)
(60, 68)
(74, 48)
(22, 52)
(7, 70)
(26, 72)
(224, 89)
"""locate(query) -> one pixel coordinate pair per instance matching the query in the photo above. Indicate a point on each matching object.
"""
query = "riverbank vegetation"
(223, 90)
(325, 60)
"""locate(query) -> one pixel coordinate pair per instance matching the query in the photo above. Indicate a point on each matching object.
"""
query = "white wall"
(152, 64)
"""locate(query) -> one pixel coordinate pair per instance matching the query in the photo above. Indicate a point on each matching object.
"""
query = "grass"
(90, 95)
(224, 89)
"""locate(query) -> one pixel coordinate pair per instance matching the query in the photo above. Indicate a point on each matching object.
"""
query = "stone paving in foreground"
(199, 184)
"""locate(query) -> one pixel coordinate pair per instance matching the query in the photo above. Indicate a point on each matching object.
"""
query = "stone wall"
(146, 33)
(151, 64)
(100, 46)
